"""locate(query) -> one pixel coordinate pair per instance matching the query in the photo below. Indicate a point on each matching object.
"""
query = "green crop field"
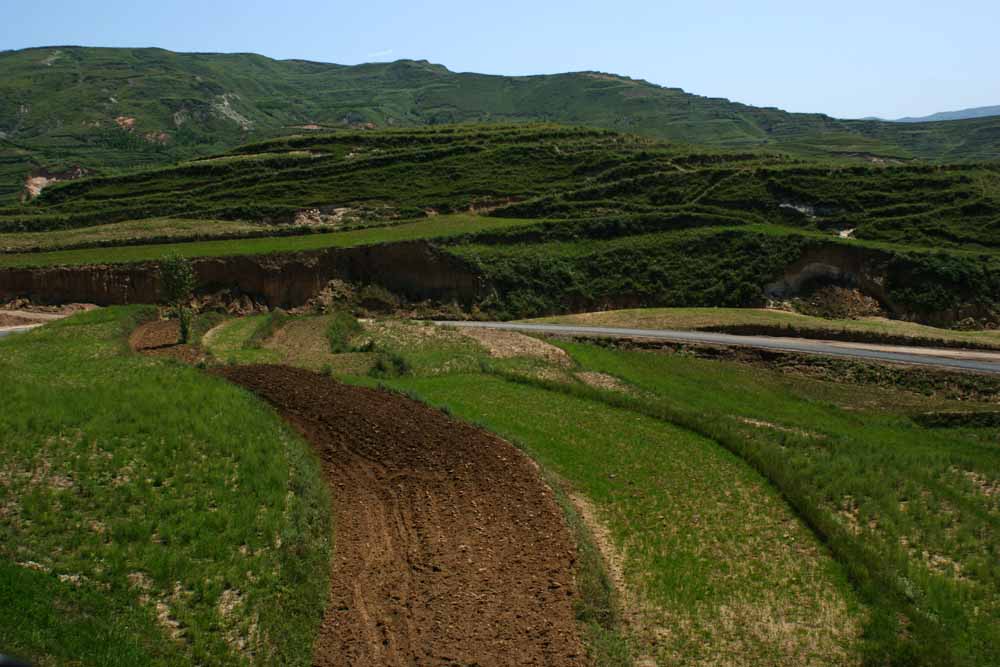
(150, 514)
(750, 512)
(908, 511)
(430, 228)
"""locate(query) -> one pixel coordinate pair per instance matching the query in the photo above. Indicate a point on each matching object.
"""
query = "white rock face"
(224, 108)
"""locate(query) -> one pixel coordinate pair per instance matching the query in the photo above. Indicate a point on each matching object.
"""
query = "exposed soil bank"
(909, 287)
(448, 547)
(413, 269)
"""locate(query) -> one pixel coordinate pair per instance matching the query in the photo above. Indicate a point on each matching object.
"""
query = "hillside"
(110, 109)
(553, 219)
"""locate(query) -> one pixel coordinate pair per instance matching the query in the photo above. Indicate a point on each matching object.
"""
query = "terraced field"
(544, 220)
(596, 504)
(107, 110)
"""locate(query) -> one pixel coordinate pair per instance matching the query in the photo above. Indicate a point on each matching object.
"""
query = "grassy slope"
(130, 232)
(429, 228)
(697, 318)
(726, 573)
(384, 175)
(627, 202)
(151, 497)
(58, 105)
(907, 509)
(699, 565)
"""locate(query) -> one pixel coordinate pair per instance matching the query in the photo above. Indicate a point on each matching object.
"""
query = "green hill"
(596, 217)
(109, 109)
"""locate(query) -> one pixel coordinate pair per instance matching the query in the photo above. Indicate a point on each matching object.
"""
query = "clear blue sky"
(884, 58)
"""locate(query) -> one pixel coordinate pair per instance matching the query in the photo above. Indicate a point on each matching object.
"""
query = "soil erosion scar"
(448, 547)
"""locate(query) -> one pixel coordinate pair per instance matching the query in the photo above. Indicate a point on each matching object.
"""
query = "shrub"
(391, 364)
(378, 299)
(343, 327)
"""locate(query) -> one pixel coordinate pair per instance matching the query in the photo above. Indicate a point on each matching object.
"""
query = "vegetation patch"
(915, 538)
(151, 514)
(342, 328)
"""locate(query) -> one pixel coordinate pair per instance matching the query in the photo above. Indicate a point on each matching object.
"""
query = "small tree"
(176, 284)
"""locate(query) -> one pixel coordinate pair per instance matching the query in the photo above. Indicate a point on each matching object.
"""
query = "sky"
(848, 59)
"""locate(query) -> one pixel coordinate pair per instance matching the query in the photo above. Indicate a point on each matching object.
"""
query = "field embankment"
(414, 269)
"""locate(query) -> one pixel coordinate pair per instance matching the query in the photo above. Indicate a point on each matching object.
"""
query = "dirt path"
(449, 550)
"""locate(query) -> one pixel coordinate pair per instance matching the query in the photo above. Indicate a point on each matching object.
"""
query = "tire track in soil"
(449, 549)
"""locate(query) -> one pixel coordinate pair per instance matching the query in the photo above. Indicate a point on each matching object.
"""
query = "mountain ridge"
(107, 109)
(960, 114)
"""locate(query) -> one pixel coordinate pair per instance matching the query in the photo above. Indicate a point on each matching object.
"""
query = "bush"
(391, 364)
(378, 299)
(343, 327)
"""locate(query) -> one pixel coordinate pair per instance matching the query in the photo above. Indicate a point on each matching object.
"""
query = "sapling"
(176, 285)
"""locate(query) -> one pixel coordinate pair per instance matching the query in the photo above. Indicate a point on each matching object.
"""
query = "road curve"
(966, 360)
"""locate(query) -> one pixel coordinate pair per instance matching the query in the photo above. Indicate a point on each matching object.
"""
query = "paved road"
(969, 360)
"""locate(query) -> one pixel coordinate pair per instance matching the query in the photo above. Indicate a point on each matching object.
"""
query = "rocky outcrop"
(39, 179)
(415, 270)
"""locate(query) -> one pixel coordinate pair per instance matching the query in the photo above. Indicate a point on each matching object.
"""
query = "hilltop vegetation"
(112, 109)
(580, 219)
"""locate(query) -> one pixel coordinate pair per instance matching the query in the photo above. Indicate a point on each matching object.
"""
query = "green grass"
(131, 232)
(911, 513)
(904, 507)
(269, 324)
(151, 514)
(430, 228)
(620, 220)
(710, 548)
(230, 342)
(623, 262)
(698, 318)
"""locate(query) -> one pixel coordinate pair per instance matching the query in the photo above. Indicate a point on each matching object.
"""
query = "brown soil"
(16, 320)
(507, 344)
(449, 549)
(602, 381)
(20, 312)
(839, 303)
(160, 338)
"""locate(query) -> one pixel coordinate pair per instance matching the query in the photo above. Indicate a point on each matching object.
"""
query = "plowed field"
(448, 547)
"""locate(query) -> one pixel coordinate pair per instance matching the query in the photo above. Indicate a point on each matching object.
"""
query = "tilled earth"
(160, 338)
(449, 549)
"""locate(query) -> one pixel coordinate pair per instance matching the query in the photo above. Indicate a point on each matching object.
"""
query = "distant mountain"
(103, 109)
(964, 114)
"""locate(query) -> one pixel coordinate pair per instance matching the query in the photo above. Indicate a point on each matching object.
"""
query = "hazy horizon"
(853, 61)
